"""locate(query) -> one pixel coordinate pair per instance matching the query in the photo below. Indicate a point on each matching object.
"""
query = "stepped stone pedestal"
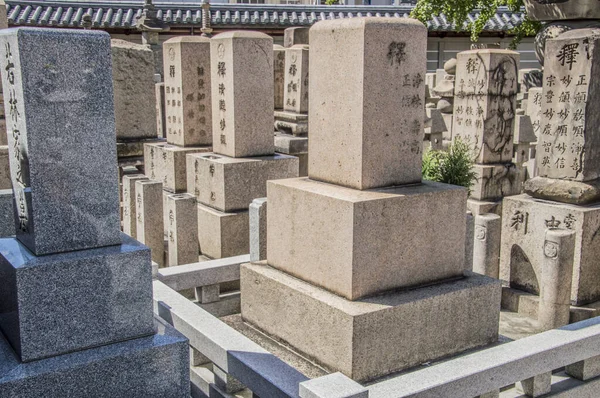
(75, 294)
(362, 257)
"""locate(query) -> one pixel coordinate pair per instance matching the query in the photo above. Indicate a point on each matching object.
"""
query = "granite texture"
(182, 229)
(278, 75)
(129, 203)
(154, 366)
(291, 123)
(358, 243)
(495, 181)
(242, 92)
(485, 102)
(230, 184)
(564, 191)
(524, 223)
(221, 234)
(149, 217)
(371, 337)
(187, 75)
(486, 244)
(367, 91)
(258, 229)
(161, 118)
(5, 182)
(7, 208)
(334, 385)
(59, 303)
(568, 147)
(295, 96)
(133, 84)
(61, 83)
(295, 35)
(167, 163)
(544, 10)
(290, 145)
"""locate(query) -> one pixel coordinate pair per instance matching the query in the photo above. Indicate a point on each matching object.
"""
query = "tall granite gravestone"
(278, 75)
(75, 293)
(226, 181)
(347, 281)
(291, 123)
(566, 195)
(484, 115)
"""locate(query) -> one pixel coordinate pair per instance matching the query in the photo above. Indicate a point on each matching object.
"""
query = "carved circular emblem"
(480, 232)
(294, 57)
(221, 51)
(550, 249)
(172, 54)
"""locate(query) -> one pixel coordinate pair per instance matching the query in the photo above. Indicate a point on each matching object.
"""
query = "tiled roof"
(123, 14)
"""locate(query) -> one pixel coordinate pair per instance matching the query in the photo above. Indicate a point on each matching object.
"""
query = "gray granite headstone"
(61, 128)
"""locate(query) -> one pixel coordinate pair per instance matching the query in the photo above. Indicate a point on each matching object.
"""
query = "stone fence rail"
(571, 352)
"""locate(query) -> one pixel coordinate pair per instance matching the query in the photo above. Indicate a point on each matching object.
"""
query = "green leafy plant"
(454, 166)
(332, 2)
(457, 12)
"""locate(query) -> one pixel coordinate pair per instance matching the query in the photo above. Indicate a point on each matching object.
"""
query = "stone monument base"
(565, 191)
(296, 146)
(222, 234)
(524, 223)
(291, 123)
(495, 181)
(152, 366)
(374, 336)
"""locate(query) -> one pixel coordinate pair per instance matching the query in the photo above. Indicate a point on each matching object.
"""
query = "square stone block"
(366, 124)
(371, 337)
(152, 366)
(7, 215)
(357, 243)
(524, 222)
(59, 303)
(230, 184)
(291, 123)
(221, 234)
(4, 168)
(495, 181)
(290, 145)
(166, 163)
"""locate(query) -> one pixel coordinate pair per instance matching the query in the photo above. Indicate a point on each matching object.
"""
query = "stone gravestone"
(225, 182)
(278, 75)
(484, 117)
(566, 194)
(89, 297)
(334, 282)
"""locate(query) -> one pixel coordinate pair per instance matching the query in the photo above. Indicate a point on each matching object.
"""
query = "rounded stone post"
(557, 275)
(486, 245)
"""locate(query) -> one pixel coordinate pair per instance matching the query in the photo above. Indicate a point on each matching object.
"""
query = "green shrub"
(454, 166)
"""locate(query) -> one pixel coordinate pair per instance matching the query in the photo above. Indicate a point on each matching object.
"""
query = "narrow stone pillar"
(470, 219)
(208, 294)
(182, 229)
(536, 386)
(129, 211)
(197, 358)
(258, 229)
(149, 207)
(557, 274)
(226, 382)
(586, 369)
(486, 244)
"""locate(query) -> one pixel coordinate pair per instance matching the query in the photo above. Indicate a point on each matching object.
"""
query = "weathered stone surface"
(523, 130)
(530, 78)
(258, 229)
(484, 206)
(357, 243)
(570, 128)
(334, 385)
(134, 91)
(534, 108)
(495, 181)
(290, 145)
(231, 184)
(366, 124)
(221, 234)
(5, 182)
(152, 366)
(129, 203)
(291, 123)
(296, 79)
(552, 10)
(376, 336)
(182, 229)
(33, 287)
(161, 118)
(188, 112)
(167, 163)
(242, 92)
(295, 35)
(149, 210)
(524, 223)
(7, 208)
(278, 75)
(553, 29)
(486, 246)
(485, 102)
(62, 76)
(565, 191)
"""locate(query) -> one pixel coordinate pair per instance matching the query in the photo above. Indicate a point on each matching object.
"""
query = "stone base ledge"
(564, 191)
